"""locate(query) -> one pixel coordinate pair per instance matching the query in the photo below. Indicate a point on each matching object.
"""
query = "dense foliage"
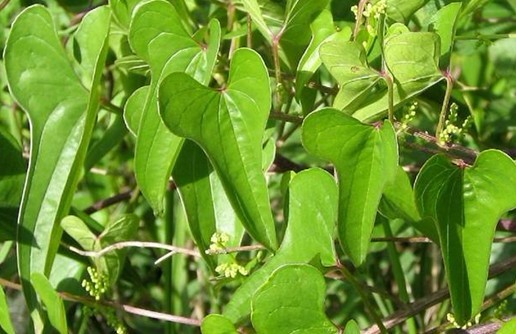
(257, 166)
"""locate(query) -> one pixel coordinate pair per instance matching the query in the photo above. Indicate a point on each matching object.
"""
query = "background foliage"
(312, 166)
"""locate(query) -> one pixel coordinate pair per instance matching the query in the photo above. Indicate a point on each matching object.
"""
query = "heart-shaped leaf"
(293, 292)
(465, 203)
(157, 35)
(56, 104)
(365, 158)
(443, 22)
(312, 213)
(229, 125)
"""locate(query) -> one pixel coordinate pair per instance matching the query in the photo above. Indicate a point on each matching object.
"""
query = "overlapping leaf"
(229, 125)
(217, 324)
(54, 304)
(366, 158)
(293, 292)
(312, 213)
(157, 36)
(62, 114)
(465, 203)
(411, 57)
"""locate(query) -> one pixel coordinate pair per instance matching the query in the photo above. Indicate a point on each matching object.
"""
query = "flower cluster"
(451, 131)
(98, 284)
(408, 115)
(372, 13)
(231, 270)
(451, 318)
(219, 242)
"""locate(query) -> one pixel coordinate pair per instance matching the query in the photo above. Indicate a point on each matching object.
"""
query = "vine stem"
(277, 65)
(444, 108)
(360, 10)
(127, 308)
(139, 244)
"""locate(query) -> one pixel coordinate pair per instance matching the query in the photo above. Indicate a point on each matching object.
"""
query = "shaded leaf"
(54, 304)
(309, 235)
(365, 158)
(465, 203)
(56, 104)
(443, 22)
(293, 292)
(229, 125)
(401, 11)
(79, 231)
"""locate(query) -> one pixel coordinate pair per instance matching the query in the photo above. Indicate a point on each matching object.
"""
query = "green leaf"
(398, 202)
(365, 158)
(312, 213)
(293, 292)
(122, 10)
(253, 9)
(157, 35)
(217, 324)
(412, 58)
(191, 174)
(79, 231)
(347, 63)
(56, 104)
(295, 32)
(134, 107)
(443, 22)
(508, 328)
(465, 203)
(229, 125)
(5, 319)
(54, 304)
(322, 28)
(401, 11)
(352, 327)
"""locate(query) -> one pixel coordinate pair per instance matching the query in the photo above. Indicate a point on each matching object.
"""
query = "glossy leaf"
(217, 324)
(134, 107)
(56, 104)
(465, 203)
(157, 35)
(79, 231)
(252, 7)
(229, 125)
(365, 158)
(293, 292)
(54, 304)
(311, 221)
(5, 319)
(122, 10)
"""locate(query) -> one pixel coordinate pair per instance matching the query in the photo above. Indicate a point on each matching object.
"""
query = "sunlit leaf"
(365, 157)
(217, 324)
(293, 292)
(229, 125)
(312, 213)
(56, 104)
(5, 319)
(465, 203)
(157, 35)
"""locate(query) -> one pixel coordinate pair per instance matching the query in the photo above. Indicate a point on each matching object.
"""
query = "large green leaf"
(411, 57)
(443, 22)
(62, 114)
(465, 203)
(365, 158)
(293, 292)
(157, 36)
(229, 125)
(312, 213)
(54, 304)
(401, 11)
